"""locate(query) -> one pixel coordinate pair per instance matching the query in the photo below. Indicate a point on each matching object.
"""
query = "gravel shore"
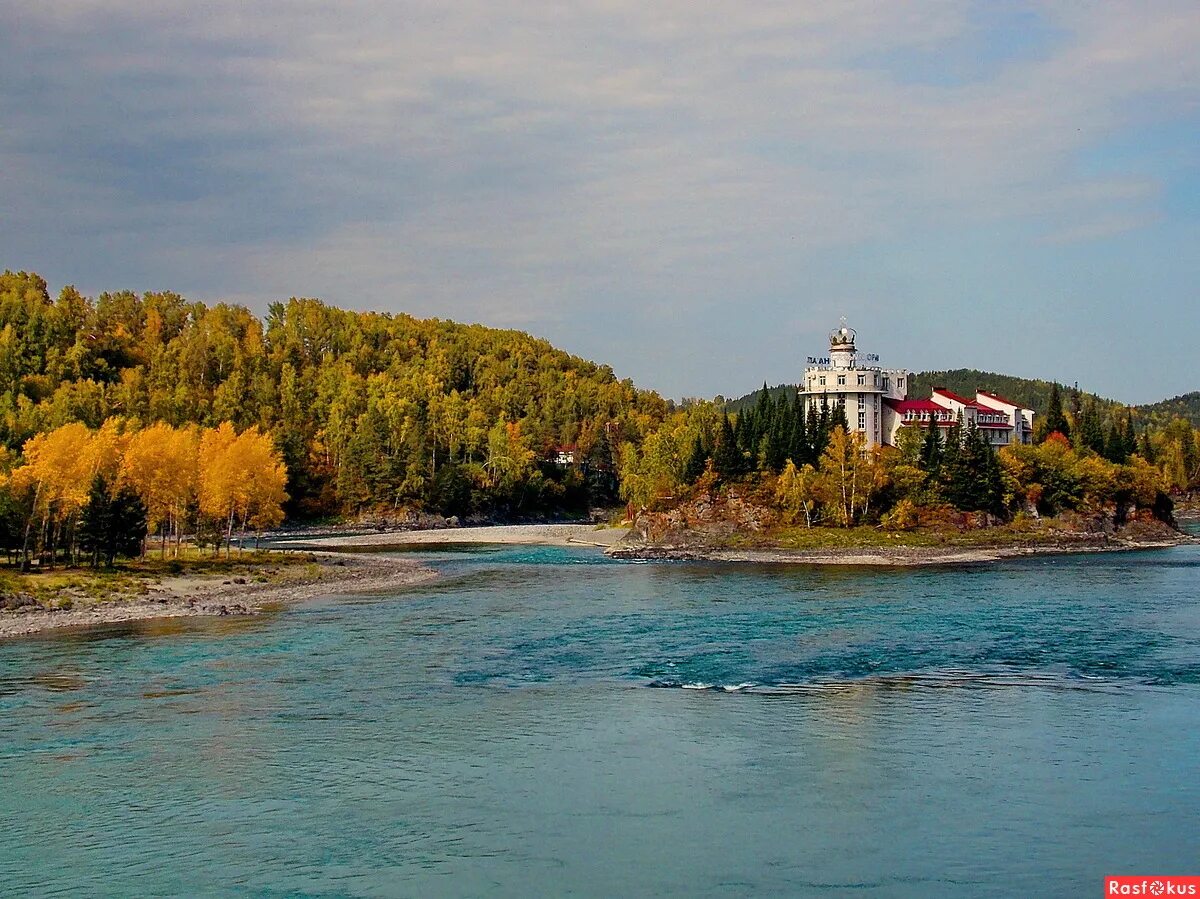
(898, 556)
(189, 596)
(529, 534)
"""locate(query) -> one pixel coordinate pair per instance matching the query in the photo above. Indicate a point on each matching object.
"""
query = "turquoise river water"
(542, 722)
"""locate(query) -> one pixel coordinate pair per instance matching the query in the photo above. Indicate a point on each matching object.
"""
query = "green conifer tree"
(697, 461)
(1091, 428)
(111, 525)
(727, 455)
(931, 448)
(798, 450)
(1054, 420)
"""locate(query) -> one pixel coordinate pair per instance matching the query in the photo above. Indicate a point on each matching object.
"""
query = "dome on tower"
(843, 336)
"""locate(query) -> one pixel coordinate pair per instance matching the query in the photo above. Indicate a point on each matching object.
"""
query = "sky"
(693, 193)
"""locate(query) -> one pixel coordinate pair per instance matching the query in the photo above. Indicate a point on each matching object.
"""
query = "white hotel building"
(876, 400)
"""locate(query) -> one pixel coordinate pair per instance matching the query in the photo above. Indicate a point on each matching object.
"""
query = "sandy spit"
(528, 534)
(186, 596)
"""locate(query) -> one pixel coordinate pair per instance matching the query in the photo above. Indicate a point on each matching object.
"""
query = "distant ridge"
(1185, 406)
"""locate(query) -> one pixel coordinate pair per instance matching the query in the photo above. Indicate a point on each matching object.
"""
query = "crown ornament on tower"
(843, 337)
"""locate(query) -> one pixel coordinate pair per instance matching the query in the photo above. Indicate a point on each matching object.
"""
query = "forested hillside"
(367, 410)
(1032, 393)
(1186, 406)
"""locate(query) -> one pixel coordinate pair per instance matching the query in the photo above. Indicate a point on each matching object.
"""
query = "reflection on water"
(1017, 729)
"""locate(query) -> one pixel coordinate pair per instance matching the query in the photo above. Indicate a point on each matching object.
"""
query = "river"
(543, 721)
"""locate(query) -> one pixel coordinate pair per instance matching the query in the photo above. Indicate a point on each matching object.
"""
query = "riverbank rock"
(705, 518)
(11, 602)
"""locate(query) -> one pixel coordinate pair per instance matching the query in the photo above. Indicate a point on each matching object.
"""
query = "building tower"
(842, 353)
(860, 387)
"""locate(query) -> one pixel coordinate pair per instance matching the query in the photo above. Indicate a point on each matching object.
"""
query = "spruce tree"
(1114, 444)
(1091, 428)
(1054, 420)
(777, 441)
(812, 434)
(1130, 434)
(1145, 447)
(798, 450)
(954, 442)
(743, 430)
(931, 447)
(970, 475)
(839, 417)
(696, 463)
(727, 455)
(111, 525)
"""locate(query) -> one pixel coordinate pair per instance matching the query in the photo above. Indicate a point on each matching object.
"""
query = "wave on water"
(925, 680)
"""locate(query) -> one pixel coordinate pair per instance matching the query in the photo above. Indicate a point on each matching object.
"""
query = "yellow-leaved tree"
(242, 479)
(160, 465)
(797, 490)
(59, 467)
(850, 475)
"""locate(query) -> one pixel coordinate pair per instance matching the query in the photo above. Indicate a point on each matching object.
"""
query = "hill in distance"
(1031, 392)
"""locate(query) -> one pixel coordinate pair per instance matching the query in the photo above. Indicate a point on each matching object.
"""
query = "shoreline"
(193, 596)
(891, 557)
(496, 534)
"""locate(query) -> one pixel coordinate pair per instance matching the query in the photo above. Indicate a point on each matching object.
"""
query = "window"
(862, 379)
(862, 421)
(822, 380)
(885, 383)
(841, 380)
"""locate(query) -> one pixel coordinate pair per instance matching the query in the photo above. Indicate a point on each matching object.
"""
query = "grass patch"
(866, 537)
(133, 578)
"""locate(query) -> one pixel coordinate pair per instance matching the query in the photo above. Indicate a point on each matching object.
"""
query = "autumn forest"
(184, 420)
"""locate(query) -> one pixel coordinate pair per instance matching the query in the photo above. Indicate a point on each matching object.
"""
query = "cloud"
(523, 163)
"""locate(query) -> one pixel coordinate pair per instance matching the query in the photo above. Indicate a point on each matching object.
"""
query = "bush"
(902, 517)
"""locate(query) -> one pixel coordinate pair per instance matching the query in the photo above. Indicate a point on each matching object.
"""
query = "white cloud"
(515, 162)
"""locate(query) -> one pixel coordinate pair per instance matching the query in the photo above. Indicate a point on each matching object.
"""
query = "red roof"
(915, 405)
(919, 406)
(998, 398)
(955, 397)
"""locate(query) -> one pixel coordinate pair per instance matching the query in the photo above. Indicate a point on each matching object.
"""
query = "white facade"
(1000, 422)
(1019, 417)
(876, 404)
(861, 387)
